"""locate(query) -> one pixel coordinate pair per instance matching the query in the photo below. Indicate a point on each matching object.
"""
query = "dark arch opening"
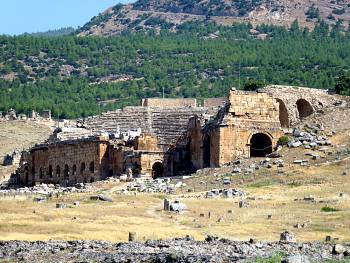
(260, 145)
(41, 174)
(206, 151)
(74, 170)
(66, 171)
(50, 171)
(82, 168)
(58, 170)
(304, 108)
(92, 167)
(157, 170)
(283, 114)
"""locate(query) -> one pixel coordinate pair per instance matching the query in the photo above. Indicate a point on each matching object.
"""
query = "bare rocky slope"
(165, 14)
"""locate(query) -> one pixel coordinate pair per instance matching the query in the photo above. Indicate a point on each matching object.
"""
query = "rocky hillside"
(165, 14)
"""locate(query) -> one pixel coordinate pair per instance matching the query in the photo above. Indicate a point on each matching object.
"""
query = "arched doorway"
(157, 170)
(206, 151)
(304, 108)
(284, 116)
(260, 145)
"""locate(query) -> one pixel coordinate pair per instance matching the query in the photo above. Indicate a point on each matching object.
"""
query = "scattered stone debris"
(48, 190)
(153, 186)
(175, 206)
(339, 249)
(287, 237)
(309, 140)
(101, 198)
(184, 249)
(309, 198)
(225, 193)
(61, 206)
(243, 204)
(296, 259)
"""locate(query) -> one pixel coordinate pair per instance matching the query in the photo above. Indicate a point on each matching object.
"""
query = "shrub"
(253, 85)
(329, 209)
(284, 140)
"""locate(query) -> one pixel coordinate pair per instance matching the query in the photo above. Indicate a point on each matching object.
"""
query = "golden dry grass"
(142, 213)
(21, 135)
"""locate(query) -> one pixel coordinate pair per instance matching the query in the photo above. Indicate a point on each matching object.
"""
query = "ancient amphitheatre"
(103, 178)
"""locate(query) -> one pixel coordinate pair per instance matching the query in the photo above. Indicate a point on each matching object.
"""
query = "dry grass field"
(23, 219)
(21, 135)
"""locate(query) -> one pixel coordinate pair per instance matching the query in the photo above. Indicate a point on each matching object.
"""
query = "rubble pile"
(153, 186)
(309, 140)
(47, 189)
(224, 193)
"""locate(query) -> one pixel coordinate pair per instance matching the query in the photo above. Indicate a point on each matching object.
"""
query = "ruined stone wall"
(290, 95)
(147, 160)
(66, 163)
(214, 102)
(195, 136)
(118, 160)
(230, 134)
(167, 102)
(146, 142)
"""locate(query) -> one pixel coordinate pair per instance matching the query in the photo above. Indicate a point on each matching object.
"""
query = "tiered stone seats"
(168, 124)
(129, 118)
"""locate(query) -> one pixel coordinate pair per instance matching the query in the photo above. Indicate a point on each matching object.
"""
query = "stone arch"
(206, 151)
(157, 170)
(260, 145)
(74, 170)
(283, 114)
(304, 108)
(92, 167)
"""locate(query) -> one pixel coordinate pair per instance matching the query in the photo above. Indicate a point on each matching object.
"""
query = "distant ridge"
(166, 14)
(65, 31)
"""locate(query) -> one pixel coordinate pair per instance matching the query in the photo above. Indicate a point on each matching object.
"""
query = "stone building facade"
(66, 163)
(247, 126)
(174, 139)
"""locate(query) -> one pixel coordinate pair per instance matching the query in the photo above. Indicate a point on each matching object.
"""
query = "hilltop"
(165, 14)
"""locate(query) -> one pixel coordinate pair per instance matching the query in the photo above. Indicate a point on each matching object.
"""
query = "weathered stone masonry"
(175, 139)
(247, 126)
(66, 163)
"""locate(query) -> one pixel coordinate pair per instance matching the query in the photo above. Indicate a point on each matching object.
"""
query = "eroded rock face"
(177, 250)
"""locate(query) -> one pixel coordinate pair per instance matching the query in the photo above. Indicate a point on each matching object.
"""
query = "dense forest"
(81, 76)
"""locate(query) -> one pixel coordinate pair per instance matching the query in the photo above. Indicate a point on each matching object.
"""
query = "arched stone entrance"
(304, 108)
(260, 145)
(284, 116)
(157, 170)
